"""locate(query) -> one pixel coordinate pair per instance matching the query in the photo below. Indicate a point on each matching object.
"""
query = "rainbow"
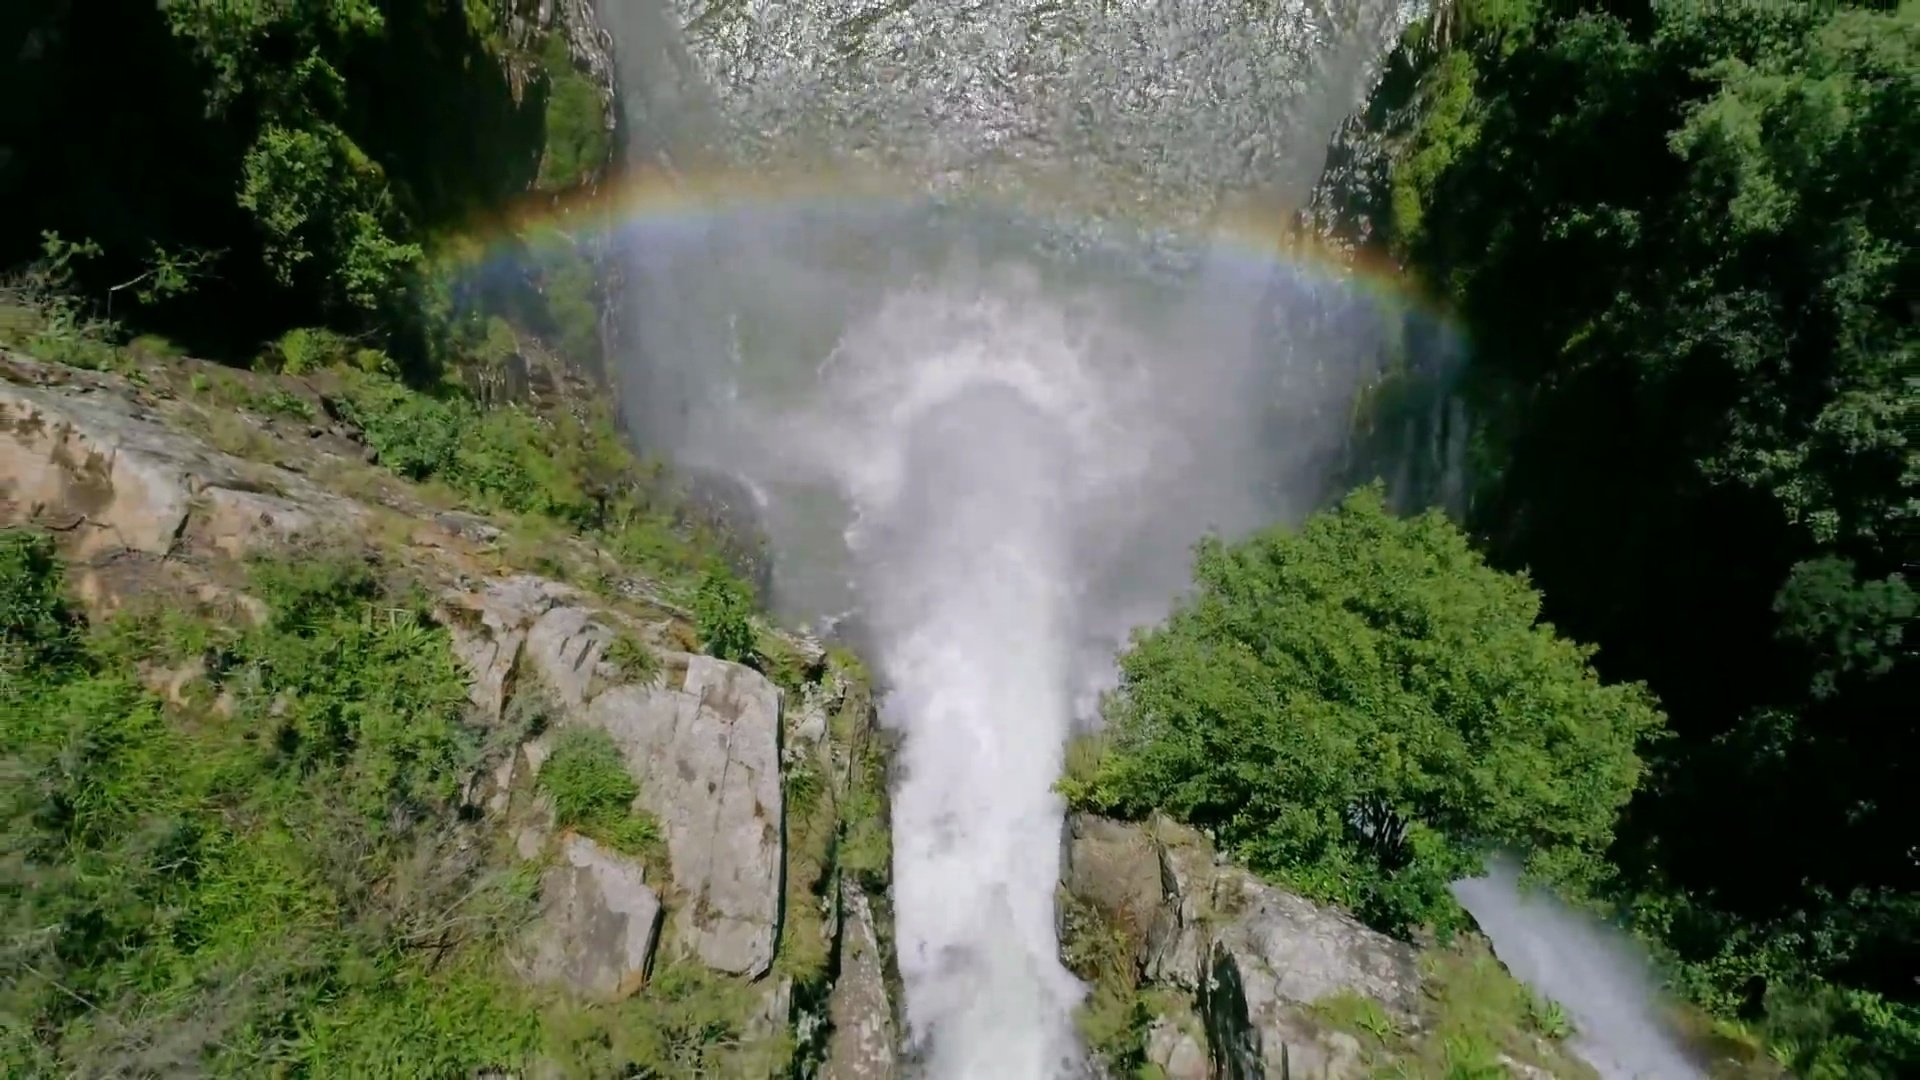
(654, 201)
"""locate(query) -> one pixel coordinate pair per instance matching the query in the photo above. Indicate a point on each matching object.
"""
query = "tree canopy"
(1363, 707)
(1683, 240)
(279, 164)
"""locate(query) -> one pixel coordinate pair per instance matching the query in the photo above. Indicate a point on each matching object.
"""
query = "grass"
(723, 617)
(1114, 1016)
(1358, 1014)
(1474, 1014)
(250, 888)
(632, 658)
(284, 884)
(1477, 1011)
(593, 792)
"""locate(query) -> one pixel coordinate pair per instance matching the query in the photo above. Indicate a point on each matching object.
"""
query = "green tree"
(1683, 240)
(1363, 707)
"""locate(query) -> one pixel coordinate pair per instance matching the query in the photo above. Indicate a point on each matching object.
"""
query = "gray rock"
(90, 460)
(1271, 956)
(565, 646)
(1293, 951)
(1256, 956)
(863, 1043)
(1116, 868)
(1177, 941)
(707, 757)
(598, 924)
(1176, 1051)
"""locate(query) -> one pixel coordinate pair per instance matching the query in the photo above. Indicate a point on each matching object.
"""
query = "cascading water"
(990, 409)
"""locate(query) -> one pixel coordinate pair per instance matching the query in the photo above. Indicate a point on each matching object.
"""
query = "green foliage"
(284, 403)
(866, 839)
(723, 617)
(290, 164)
(308, 349)
(687, 1022)
(321, 202)
(1548, 1018)
(556, 467)
(1113, 1018)
(35, 627)
(271, 885)
(1358, 1014)
(1679, 239)
(633, 659)
(1361, 705)
(593, 792)
(578, 145)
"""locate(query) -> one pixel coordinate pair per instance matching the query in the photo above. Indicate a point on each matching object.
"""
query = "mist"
(1598, 974)
(1000, 463)
(985, 413)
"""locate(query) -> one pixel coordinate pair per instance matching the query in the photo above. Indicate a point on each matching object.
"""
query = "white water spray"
(1000, 445)
(1596, 973)
(1018, 456)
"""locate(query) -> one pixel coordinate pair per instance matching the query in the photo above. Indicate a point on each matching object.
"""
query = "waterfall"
(988, 403)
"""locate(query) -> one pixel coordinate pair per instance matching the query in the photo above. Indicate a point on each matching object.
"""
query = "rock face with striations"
(598, 923)
(1255, 957)
(702, 741)
(707, 756)
(98, 464)
(863, 1040)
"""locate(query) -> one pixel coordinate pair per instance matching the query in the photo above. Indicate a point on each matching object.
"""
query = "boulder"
(1115, 867)
(96, 463)
(599, 921)
(863, 1043)
(707, 757)
(489, 632)
(1255, 956)
(706, 754)
(1176, 1051)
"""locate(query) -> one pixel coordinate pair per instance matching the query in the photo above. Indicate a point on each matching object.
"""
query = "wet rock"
(598, 924)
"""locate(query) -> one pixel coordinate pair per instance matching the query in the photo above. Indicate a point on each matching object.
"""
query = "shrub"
(592, 791)
(723, 617)
(308, 349)
(1359, 705)
(631, 657)
(271, 887)
(36, 629)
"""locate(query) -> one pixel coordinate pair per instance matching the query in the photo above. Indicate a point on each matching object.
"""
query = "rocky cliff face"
(1242, 980)
(128, 476)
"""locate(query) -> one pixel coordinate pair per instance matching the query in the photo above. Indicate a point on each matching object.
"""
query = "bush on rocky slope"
(1361, 708)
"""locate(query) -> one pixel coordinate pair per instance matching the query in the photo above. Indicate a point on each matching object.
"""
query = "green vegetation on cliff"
(287, 164)
(1363, 708)
(262, 876)
(1685, 241)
